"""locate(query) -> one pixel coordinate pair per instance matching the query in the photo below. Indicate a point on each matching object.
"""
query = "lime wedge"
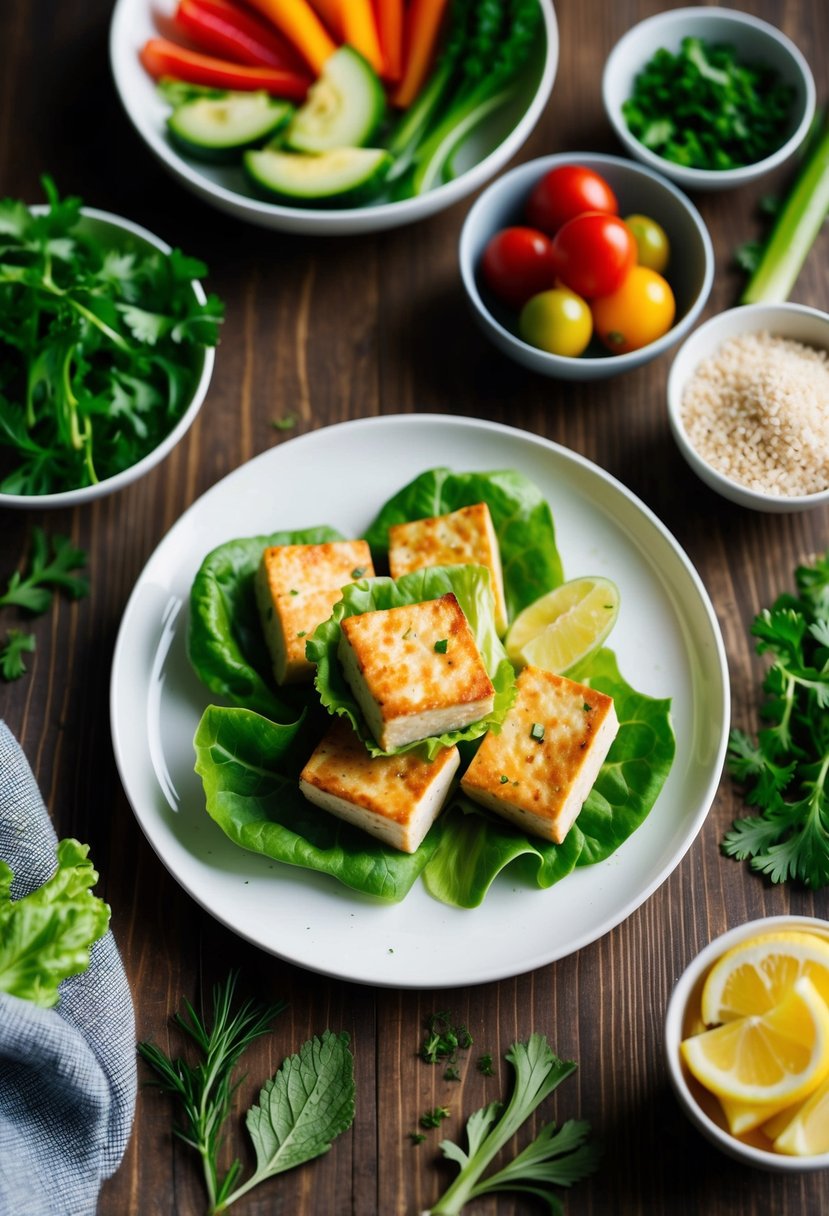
(564, 626)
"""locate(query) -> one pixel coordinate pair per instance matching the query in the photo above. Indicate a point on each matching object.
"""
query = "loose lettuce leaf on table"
(521, 517)
(472, 587)
(250, 767)
(225, 643)
(476, 846)
(46, 936)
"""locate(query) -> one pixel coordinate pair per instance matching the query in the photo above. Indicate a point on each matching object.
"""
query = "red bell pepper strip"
(164, 58)
(223, 28)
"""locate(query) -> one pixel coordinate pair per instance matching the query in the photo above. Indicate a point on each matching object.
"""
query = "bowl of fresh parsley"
(711, 97)
(106, 350)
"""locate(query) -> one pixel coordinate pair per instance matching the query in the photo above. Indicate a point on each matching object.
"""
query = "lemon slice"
(755, 975)
(807, 1132)
(772, 1058)
(565, 625)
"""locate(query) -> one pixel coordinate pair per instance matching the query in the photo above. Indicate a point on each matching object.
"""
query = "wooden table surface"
(341, 329)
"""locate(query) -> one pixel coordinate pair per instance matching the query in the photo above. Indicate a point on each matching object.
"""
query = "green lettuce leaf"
(250, 766)
(225, 642)
(46, 936)
(521, 517)
(476, 846)
(473, 589)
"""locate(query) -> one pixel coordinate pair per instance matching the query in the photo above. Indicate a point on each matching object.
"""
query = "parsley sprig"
(785, 772)
(301, 1109)
(99, 347)
(32, 589)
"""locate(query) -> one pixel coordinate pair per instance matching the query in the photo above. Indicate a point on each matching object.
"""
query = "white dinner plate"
(666, 639)
(489, 147)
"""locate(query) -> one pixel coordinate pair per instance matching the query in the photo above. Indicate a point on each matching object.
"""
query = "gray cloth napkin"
(68, 1074)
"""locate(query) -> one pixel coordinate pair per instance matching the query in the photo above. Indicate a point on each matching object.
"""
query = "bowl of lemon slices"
(747, 1043)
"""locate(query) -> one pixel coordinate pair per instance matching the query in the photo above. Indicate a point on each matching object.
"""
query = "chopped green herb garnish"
(442, 646)
(504, 779)
(443, 1039)
(18, 643)
(294, 591)
(417, 1137)
(407, 634)
(302, 633)
(484, 1065)
(434, 1117)
(358, 572)
(286, 423)
(587, 708)
(34, 588)
(451, 1074)
(537, 731)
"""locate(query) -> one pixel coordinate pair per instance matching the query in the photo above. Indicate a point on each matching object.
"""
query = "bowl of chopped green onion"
(106, 351)
(711, 97)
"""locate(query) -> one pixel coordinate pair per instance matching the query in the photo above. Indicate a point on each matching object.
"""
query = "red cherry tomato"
(517, 264)
(593, 253)
(566, 192)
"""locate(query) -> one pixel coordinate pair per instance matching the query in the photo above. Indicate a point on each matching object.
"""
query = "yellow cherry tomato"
(557, 321)
(652, 243)
(636, 314)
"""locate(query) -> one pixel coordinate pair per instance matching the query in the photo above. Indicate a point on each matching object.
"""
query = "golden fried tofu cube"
(464, 537)
(415, 670)
(538, 770)
(296, 588)
(395, 798)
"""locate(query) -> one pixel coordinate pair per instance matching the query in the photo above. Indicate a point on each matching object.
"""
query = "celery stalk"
(796, 228)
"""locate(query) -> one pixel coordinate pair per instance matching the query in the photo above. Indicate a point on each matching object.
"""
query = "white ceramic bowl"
(690, 272)
(116, 232)
(796, 321)
(702, 1108)
(755, 42)
(493, 144)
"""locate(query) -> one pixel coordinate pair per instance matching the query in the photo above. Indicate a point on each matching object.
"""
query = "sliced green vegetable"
(219, 129)
(796, 227)
(345, 106)
(343, 176)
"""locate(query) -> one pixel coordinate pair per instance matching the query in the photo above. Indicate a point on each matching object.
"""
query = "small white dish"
(754, 40)
(700, 1107)
(115, 231)
(494, 143)
(794, 321)
(690, 271)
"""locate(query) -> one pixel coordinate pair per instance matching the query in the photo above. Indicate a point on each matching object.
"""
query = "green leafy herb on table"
(46, 936)
(33, 588)
(12, 662)
(443, 1039)
(99, 347)
(558, 1156)
(704, 109)
(789, 838)
(300, 1111)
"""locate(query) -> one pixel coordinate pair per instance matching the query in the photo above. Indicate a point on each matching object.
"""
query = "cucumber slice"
(344, 107)
(340, 176)
(219, 128)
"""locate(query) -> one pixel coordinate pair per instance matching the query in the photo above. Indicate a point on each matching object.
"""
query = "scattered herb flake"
(441, 646)
(504, 779)
(286, 423)
(417, 1137)
(434, 1117)
(451, 1073)
(485, 1066)
(358, 572)
(18, 643)
(443, 1039)
(33, 588)
(537, 732)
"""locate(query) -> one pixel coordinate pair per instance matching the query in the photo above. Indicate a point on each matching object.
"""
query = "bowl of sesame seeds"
(748, 405)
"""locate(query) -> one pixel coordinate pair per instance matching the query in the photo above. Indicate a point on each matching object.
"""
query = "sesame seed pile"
(757, 410)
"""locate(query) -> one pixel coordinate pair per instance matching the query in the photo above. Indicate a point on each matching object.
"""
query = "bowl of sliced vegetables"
(747, 1043)
(711, 97)
(114, 355)
(333, 119)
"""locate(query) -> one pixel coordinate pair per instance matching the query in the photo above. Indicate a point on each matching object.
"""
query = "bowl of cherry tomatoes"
(581, 266)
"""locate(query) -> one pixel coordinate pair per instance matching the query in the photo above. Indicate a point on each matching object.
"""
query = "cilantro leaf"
(18, 643)
(34, 590)
(789, 839)
(46, 935)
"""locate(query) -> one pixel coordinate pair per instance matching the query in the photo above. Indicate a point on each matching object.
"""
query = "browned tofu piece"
(395, 798)
(296, 588)
(415, 671)
(463, 537)
(539, 769)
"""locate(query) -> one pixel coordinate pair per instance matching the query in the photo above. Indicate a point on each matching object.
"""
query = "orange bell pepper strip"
(164, 58)
(360, 31)
(302, 27)
(423, 22)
